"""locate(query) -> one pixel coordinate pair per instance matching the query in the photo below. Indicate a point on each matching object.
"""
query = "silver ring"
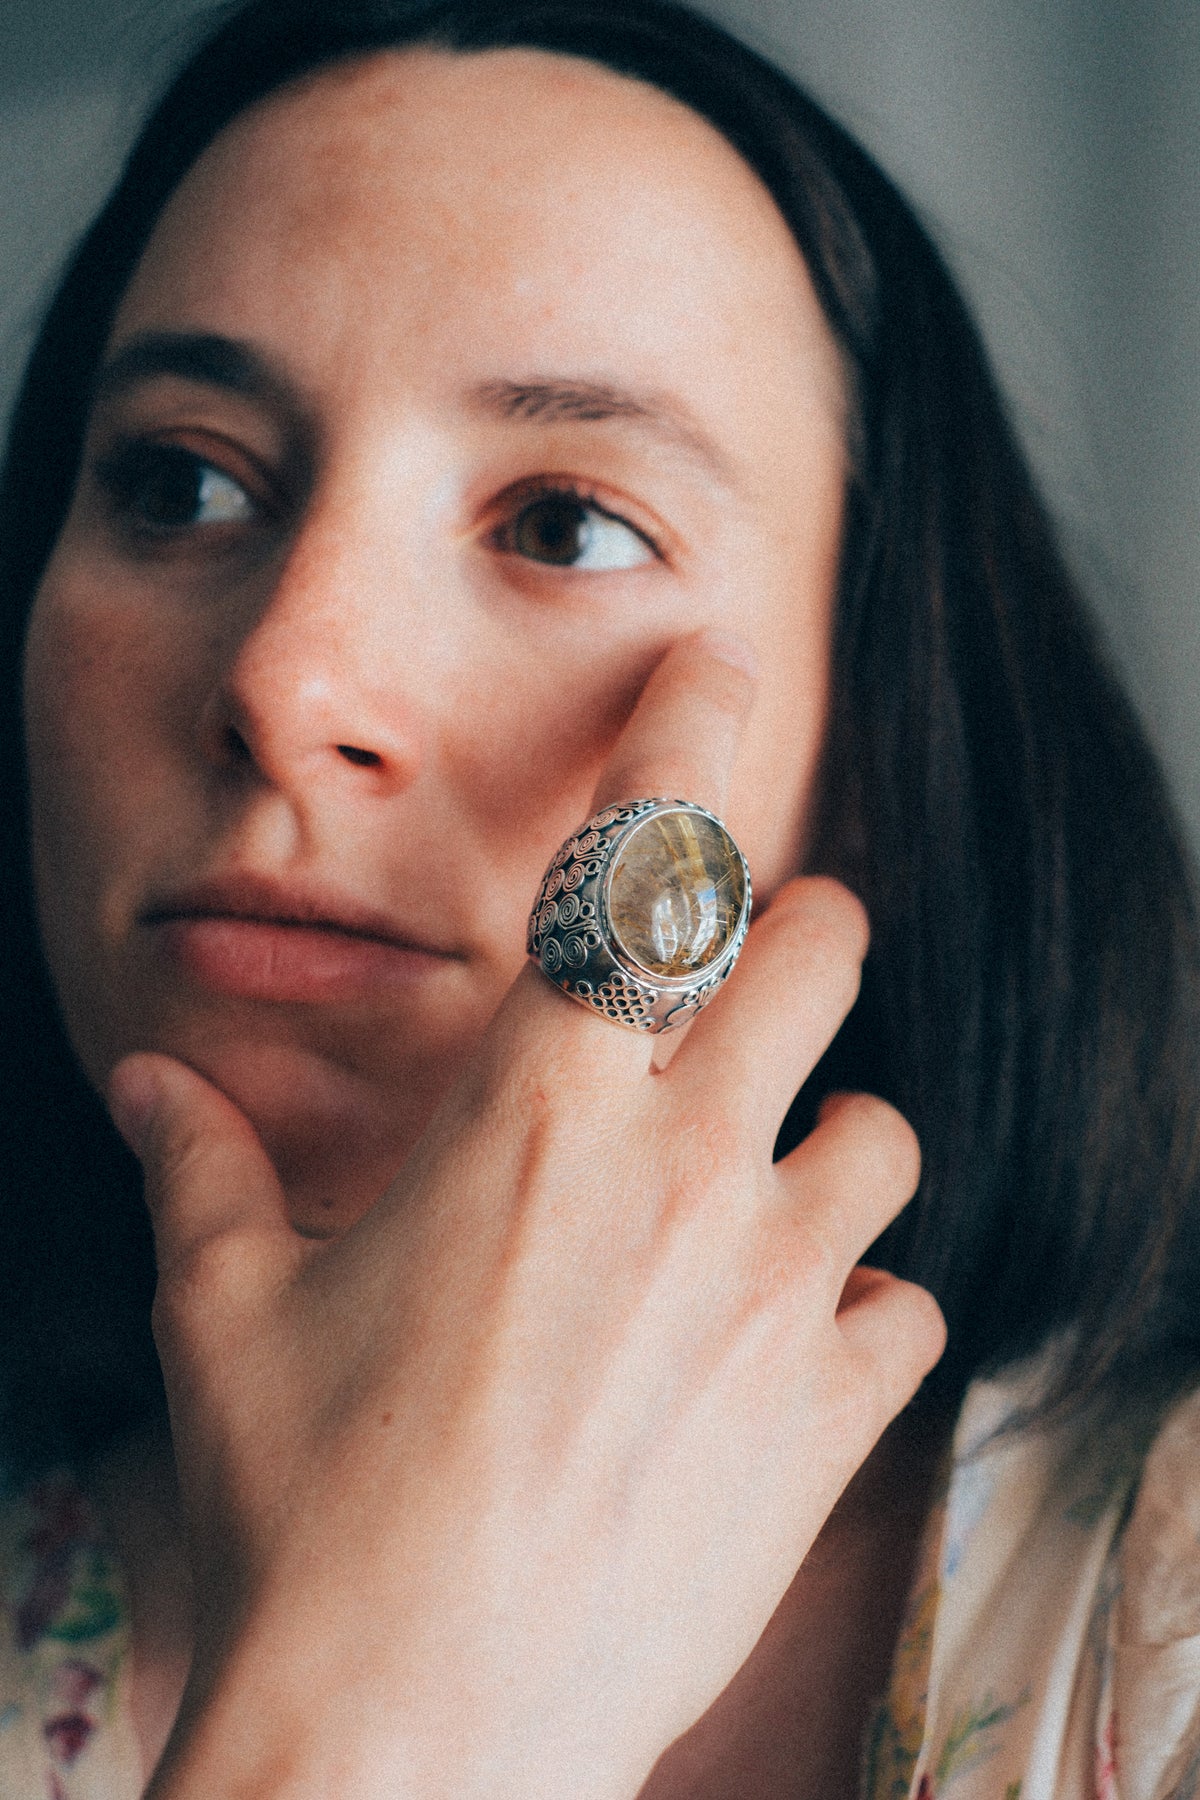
(643, 912)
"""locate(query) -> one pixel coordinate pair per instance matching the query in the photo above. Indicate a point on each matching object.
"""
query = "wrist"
(256, 1731)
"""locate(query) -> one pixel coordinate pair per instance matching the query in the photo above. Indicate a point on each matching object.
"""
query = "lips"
(256, 938)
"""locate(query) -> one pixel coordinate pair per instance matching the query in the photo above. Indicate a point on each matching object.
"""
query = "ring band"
(643, 912)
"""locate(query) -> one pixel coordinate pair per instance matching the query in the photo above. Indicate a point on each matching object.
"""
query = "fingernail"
(132, 1097)
(727, 647)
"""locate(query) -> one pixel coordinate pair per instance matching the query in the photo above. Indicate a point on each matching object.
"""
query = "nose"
(315, 681)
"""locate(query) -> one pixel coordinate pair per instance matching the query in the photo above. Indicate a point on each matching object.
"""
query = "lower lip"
(259, 960)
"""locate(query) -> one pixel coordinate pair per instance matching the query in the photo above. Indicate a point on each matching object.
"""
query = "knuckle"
(798, 1260)
(836, 916)
(928, 1324)
(908, 1339)
(823, 934)
(798, 1256)
(884, 1139)
(702, 1165)
(899, 1149)
(713, 1143)
(211, 1277)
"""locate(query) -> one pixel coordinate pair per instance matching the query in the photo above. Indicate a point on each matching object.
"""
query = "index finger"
(679, 742)
(682, 736)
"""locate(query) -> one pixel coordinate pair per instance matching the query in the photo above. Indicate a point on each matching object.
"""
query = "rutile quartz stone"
(676, 893)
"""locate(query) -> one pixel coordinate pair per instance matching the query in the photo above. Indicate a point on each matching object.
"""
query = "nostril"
(235, 744)
(364, 759)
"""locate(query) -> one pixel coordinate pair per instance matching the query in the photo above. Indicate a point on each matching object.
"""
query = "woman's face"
(450, 391)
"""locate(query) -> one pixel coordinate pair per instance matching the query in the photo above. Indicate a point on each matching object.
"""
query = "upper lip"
(267, 900)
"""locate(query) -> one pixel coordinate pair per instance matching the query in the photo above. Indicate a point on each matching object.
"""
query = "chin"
(335, 1136)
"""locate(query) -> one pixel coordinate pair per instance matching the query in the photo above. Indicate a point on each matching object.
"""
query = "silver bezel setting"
(571, 936)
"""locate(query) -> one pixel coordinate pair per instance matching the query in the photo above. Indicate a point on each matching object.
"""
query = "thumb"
(214, 1199)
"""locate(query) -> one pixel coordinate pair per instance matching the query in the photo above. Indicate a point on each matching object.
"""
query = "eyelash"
(125, 470)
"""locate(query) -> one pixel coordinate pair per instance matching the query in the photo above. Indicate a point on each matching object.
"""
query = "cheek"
(525, 750)
(86, 692)
(544, 723)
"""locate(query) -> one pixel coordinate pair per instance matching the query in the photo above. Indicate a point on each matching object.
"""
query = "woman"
(466, 416)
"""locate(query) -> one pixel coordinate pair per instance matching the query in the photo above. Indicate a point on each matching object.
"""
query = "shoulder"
(64, 1643)
(1161, 1547)
(1053, 1647)
(1156, 1651)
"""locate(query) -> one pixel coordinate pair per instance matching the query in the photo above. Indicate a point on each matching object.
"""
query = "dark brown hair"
(1031, 997)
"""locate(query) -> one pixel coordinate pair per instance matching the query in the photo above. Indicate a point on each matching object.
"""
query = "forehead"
(572, 212)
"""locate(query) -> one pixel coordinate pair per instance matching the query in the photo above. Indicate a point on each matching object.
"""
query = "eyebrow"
(596, 402)
(204, 357)
(225, 363)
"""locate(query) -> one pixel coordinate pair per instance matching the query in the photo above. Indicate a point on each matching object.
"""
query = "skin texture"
(510, 1382)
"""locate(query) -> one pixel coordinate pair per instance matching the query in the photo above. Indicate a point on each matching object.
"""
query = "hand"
(494, 1494)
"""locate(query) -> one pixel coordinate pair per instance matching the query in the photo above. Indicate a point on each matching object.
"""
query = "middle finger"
(797, 978)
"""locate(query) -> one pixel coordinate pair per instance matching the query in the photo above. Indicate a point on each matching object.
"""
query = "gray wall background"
(1052, 145)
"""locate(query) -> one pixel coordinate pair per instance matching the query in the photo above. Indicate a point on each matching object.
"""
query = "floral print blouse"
(66, 1731)
(1051, 1649)
(1052, 1645)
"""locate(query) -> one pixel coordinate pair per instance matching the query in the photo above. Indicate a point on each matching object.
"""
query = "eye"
(165, 488)
(570, 531)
